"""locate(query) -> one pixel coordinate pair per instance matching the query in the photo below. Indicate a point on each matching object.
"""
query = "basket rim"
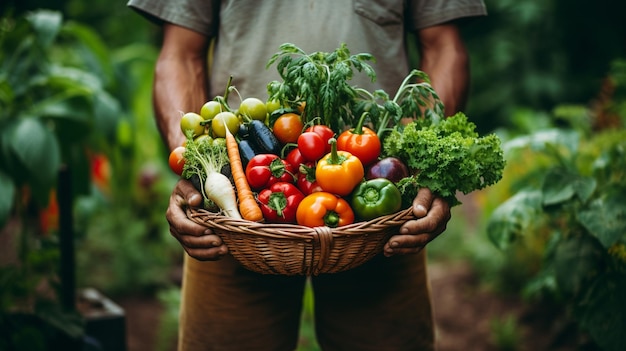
(360, 227)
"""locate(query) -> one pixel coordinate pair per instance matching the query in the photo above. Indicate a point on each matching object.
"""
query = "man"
(382, 305)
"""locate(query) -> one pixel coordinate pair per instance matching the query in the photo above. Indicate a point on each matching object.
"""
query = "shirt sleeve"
(199, 16)
(427, 13)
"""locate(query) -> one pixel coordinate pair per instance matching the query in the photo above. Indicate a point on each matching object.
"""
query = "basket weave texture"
(289, 249)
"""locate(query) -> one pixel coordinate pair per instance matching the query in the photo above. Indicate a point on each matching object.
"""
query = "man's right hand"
(198, 241)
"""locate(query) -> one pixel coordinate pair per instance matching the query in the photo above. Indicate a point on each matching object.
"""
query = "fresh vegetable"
(262, 136)
(362, 142)
(222, 121)
(253, 109)
(288, 127)
(248, 207)
(374, 198)
(247, 150)
(389, 167)
(177, 160)
(192, 122)
(339, 171)
(264, 170)
(320, 80)
(205, 160)
(446, 156)
(279, 202)
(306, 181)
(295, 159)
(325, 132)
(210, 109)
(324, 209)
(311, 146)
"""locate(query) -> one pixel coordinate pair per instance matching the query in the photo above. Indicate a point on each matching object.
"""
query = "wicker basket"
(288, 249)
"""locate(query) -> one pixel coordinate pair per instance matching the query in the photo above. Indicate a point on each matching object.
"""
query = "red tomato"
(311, 146)
(295, 159)
(288, 127)
(176, 160)
(324, 131)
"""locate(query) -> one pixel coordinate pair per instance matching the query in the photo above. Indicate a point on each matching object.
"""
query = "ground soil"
(467, 315)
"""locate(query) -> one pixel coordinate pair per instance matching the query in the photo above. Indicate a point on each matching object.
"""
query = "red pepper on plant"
(339, 171)
(279, 202)
(263, 170)
(324, 209)
(360, 141)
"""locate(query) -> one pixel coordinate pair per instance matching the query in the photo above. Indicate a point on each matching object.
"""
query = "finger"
(406, 244)
(199, 242)
(185, 193)
(422, 202)
(438, 214)
(212, 254)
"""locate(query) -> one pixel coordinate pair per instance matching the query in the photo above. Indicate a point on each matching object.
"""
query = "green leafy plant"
(54, 108)
(576, 209)
(53, 79)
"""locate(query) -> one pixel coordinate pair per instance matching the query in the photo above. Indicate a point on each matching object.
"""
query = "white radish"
(219, 189)
(205, 160)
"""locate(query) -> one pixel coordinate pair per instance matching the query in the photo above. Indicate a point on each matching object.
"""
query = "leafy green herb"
(446, 156)
(320, 80)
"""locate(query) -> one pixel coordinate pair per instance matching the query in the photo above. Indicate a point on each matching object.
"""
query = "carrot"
(248, 207)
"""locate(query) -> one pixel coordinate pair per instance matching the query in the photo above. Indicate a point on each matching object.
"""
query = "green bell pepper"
(374, 198)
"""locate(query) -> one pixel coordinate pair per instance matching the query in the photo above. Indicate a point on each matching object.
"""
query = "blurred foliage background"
(537, 66)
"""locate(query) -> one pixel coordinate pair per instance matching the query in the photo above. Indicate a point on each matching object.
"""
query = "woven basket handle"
(324, 236)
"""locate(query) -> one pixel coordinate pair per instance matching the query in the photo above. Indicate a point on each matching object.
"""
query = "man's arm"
(180, 80)
(181, 85)
(444, 58)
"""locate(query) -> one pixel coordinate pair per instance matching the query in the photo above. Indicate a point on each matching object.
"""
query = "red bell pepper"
(263, 170)
(279, 202)
(306, 181)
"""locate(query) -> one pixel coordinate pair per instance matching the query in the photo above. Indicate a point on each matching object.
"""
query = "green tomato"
(210, 109)
(219, 142)
(222, 121)
(272, 105)
(204, 138)
(253, 108)
(192, 121)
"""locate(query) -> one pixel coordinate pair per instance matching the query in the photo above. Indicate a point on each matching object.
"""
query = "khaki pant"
(382, 305)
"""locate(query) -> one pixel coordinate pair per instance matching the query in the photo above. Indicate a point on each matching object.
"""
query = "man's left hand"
(432, 215)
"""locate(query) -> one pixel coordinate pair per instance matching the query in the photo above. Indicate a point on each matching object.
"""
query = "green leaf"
(562, 184)
(37, 149)
(46, 24)
(7, 189)
(513, 218)
(577, 261)
(107, 113)
(542, 140)
(601, 311)
(605, 218)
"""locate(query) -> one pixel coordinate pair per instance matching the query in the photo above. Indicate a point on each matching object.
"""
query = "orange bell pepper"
(324, 209)
(339, 172)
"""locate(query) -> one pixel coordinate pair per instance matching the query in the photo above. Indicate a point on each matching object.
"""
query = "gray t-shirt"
(249, 32)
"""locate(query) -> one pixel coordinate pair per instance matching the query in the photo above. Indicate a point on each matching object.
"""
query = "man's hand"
(198, 241)
(432, 213)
